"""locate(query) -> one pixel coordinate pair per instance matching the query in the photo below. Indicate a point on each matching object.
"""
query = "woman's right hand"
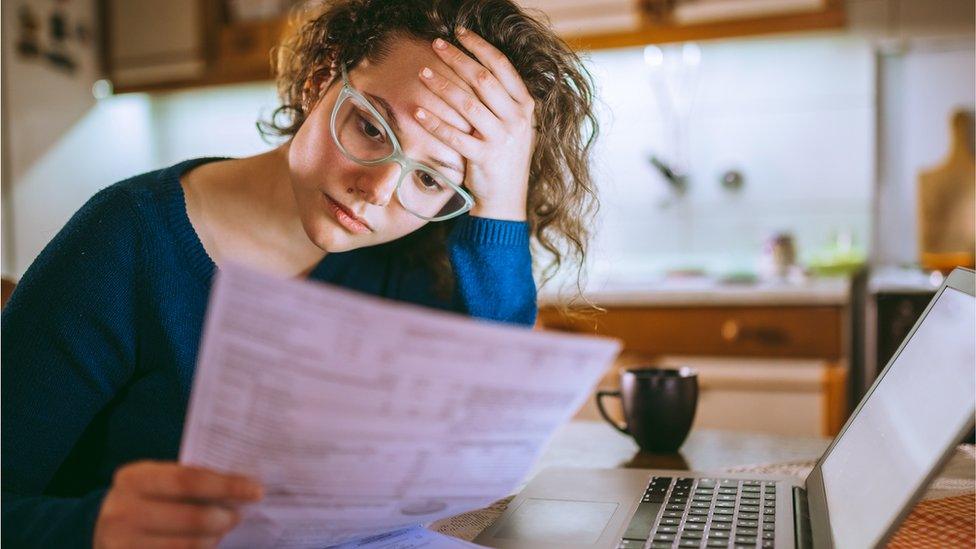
(165, 504)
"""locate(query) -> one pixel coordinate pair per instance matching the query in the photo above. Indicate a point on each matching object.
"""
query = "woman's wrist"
(510, 211)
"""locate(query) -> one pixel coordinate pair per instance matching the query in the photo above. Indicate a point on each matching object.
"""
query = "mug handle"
(603, 412)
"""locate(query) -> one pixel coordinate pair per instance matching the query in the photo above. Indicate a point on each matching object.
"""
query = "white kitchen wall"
(794, 115)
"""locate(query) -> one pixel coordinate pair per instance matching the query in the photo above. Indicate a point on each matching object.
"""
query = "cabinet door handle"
(731, 330)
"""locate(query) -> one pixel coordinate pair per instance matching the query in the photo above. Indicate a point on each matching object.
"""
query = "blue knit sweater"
(101, 336)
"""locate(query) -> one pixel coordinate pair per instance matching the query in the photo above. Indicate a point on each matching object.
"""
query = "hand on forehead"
(395, 79)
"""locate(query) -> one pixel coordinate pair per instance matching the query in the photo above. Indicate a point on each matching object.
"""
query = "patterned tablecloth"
(946, 516)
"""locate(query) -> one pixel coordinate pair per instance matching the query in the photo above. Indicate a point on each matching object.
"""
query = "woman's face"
(345, 205)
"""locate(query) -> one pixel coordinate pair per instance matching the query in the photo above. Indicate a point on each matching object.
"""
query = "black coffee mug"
(659, 406)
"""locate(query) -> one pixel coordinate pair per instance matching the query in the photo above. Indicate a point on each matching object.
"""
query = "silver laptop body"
(899, 437)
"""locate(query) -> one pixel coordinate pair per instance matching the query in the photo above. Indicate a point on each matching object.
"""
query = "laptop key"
(769, 526)
(768, 543)
(720, 527)
(689, 543)
(718, 543)
(722, 518)
(719, 534)
(671, 521)
(745, 539)
(664, 537)
(747, 531)
(768, 535)
(748, 523)
(673, 514)
(698, 513)
(667, 529)
(661, 545)
(694, 527)
(691, 535)
(696, 520)
(643, 521)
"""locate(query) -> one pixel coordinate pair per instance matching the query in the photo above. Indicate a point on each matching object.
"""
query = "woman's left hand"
(499, 151)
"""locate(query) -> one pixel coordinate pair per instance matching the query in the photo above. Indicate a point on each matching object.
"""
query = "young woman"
(425, 143)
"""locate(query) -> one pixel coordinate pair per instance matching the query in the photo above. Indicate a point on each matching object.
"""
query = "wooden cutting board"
(947, 203)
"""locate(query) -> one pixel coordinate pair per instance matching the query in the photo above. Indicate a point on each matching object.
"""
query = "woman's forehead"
(396, 79)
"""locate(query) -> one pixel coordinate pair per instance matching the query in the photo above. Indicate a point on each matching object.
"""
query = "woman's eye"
(428, 183)
(370, 130)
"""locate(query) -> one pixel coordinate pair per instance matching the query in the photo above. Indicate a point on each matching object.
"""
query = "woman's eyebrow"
(392, 117)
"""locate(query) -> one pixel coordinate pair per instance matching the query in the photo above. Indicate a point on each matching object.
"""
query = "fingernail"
(460, 31)
(427, 73)
(421, 114)
(440, 44)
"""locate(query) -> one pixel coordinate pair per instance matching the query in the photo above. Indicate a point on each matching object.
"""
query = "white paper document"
(411, 538)
(362, 415)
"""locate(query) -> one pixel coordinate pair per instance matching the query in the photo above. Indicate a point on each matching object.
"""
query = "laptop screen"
(924, 400)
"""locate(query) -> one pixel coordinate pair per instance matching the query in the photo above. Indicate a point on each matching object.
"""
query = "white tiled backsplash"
(794, 115)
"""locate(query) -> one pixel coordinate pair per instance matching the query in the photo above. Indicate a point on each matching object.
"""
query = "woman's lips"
(346, 218)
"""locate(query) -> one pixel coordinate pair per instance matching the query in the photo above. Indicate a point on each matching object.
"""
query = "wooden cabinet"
(243, 50)
(153, 45)
(759, 331)
(662, 21)
(148, 43)
(779, 369)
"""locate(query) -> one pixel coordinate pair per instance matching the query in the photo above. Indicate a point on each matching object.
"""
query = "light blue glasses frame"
(407, 164)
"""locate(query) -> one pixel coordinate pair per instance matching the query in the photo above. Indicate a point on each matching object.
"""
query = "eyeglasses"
(364, 137)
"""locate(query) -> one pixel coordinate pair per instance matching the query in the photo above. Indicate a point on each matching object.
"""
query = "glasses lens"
(428, 194)
(360, 133)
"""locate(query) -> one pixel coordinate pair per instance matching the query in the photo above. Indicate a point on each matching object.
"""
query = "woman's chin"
(332, 238)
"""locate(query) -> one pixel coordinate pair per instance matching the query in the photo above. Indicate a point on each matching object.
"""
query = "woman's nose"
(377, 183)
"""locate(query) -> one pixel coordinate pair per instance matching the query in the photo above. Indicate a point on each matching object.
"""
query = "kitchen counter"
(709, 291)
(888, 279)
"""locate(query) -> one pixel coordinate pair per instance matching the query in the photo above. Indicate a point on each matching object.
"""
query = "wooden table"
(582, 443)
(594, 444)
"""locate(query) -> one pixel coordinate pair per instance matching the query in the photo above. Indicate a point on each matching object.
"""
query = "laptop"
(896, 441)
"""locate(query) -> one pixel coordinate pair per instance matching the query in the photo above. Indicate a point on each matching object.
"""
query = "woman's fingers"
(160, 517)
(171, 480)
(466, 104)
(177, 542)
(465, 144)
(498, 63)
(481, 79)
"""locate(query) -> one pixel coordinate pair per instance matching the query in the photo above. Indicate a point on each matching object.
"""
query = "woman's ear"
(314, 86)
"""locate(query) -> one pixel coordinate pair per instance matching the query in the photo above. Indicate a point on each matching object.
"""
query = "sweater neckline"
(174, 206)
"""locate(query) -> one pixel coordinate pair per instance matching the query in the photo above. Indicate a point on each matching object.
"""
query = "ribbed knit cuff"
(482, 230)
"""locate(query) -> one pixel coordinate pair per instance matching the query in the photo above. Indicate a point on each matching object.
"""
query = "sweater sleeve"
(68, 347)
(493, 270)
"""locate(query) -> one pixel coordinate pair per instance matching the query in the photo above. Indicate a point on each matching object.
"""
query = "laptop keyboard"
(704, 512)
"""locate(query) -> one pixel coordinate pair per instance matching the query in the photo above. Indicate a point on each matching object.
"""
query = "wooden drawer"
(756, 331)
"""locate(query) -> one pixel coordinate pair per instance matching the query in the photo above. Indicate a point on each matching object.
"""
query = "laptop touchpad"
(558, 521)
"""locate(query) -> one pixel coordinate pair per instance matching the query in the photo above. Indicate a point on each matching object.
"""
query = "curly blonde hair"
(561, 196)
